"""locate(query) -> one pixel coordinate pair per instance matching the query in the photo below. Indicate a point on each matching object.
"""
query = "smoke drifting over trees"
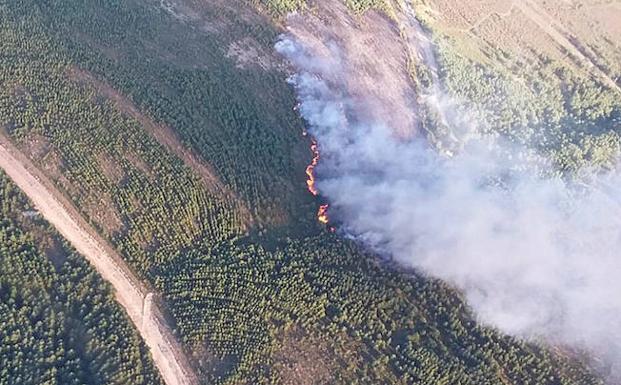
(537, 256)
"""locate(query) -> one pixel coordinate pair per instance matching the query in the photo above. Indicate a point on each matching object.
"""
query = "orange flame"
(322, 213)
(310, 169)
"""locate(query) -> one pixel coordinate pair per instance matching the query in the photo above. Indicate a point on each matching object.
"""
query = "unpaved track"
(130, 293)
(560, 35)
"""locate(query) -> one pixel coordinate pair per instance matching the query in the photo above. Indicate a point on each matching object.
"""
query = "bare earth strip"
(130, 293)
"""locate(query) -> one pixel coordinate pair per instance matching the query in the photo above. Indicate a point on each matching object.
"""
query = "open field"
(534, 73)
(583, 32)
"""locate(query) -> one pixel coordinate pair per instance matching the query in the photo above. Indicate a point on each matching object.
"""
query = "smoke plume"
(536, 256)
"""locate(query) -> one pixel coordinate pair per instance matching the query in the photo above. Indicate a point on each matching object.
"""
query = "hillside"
(60, 321)
(171, 128)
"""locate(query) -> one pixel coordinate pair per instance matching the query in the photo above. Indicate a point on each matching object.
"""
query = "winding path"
(167, 354)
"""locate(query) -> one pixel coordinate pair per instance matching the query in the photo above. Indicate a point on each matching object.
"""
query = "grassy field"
(171, 126)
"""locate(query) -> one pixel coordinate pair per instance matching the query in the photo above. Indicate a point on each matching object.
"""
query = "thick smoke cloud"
(536, 256)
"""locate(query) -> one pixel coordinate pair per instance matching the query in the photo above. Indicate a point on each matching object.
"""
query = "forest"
(60, 321)
(257, 290)
(279, 8)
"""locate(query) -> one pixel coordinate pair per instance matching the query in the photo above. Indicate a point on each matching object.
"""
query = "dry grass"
(370, 59)
(585, 35)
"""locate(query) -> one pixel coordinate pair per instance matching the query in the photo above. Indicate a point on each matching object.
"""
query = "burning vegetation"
(322, 212)
(310, 169)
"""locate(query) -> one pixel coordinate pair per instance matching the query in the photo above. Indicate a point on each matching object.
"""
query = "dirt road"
(130, 293)
(562, 37)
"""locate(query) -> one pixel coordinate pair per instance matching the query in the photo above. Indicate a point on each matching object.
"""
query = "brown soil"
(303, 360)
(248, 52)
(100, 209)
(370, 58)
(111, 169)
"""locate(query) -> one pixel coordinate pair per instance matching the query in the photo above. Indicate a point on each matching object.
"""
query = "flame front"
(310, 169)
(322, 213)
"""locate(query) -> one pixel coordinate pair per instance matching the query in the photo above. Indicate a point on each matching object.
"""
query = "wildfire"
(322, 213)
(310, 169)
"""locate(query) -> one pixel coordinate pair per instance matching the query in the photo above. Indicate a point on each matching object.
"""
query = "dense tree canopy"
(59, 321)
(250, 301)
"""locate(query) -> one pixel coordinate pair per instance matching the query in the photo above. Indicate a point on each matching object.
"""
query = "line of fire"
(322, 212)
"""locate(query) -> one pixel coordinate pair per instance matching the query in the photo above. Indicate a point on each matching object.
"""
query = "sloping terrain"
(130, 293)
(542, 73)
(171, 128)
(60, 322)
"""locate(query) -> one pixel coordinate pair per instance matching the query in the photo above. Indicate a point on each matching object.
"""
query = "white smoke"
(536, 256)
